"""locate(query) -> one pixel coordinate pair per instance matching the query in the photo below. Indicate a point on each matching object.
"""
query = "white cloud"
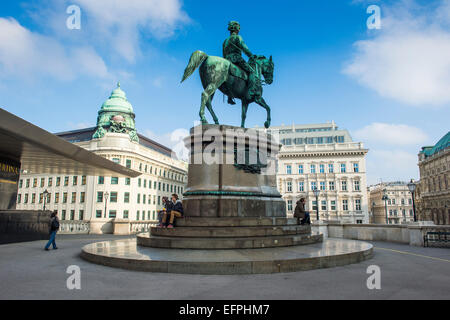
(28, 55)
(409, 58)
(391, 134)
(119, 23)
(391, 165)
(173, 140)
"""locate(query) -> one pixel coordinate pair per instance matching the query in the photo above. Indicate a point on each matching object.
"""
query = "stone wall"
(411, 234)
(20, 225)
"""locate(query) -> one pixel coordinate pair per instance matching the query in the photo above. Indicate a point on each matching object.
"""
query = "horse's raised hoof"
(267, 124)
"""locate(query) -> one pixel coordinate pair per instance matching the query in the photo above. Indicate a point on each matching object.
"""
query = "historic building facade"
(323, 157)
(434, 188)
(103, 200)
(396, 206)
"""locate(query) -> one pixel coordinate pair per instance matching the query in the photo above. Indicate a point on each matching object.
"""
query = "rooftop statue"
(232, 75)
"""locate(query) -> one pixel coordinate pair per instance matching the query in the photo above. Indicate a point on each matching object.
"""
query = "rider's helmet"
(234, 26)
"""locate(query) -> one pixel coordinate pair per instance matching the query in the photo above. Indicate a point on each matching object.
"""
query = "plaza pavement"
(28, 272)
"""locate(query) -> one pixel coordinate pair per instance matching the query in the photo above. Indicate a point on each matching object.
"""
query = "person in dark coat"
(300, 213)
(176, 211)
(168, 205)
(54, 227)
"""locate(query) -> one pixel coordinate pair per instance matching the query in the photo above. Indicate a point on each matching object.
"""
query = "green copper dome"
(117, 102)
(441, 145)
(116, 115)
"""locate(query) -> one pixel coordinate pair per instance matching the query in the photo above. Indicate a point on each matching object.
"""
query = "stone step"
(127, 255)
(234, 222)
(230, 232)
(147, 240)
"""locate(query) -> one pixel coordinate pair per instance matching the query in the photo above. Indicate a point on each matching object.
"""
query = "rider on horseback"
(233, 47)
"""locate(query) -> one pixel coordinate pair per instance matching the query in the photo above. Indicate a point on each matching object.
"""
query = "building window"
(356, 167)
(112, 213)
(33, 198)
(138, 198)
(125, 214)
(322, 168)
(301, 186)
(75, 180)
(34, 182)
(57, 197)
(28, 183)
(81, 215)
(83, 180)
(344, 185)
(114, 180)
(330, 168)
(82, 197)
(116, 160)
(126, 197)
(74, 197)
(127, 181)
(26, 198)
(101, 180)
(19, 198)
(300, 169)
(42, 182)
(113, 197)
(343, 168)
(72, 214)
(58, 181)
(324, 205)
(313, 185)
(313, 168)
(128, 163)
(322, 185)
(66, 181)
(20, 183)
(98, 213)
(65, 197)
(143, 198)
(331, 185)
(356, 185)
(333, 205)
(99, 196)
(288, 169)
(63, 215)
(138, 214)
(289, 205)
(41, 197)
(289, 186)
(358, 204)
(145, 183)
(345, 205)
(50, 182)
(314, 205)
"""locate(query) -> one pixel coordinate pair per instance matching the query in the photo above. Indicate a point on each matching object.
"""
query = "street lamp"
(412, 189)
(385, 198)
(106, 202)
(316, 193)
(45, 197)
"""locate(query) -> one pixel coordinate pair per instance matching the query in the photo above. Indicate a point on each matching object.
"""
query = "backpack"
(55, 224)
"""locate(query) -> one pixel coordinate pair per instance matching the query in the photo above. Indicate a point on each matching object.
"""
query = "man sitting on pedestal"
(177, 211)
(300, 213)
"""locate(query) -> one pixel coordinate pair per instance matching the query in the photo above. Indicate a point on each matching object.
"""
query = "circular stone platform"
(127, 255)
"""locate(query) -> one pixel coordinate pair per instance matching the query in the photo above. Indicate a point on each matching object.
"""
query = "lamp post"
(385, 198)
(373, 211)
(316, 193)
(106, 202)
(412, 188)
(45, 197)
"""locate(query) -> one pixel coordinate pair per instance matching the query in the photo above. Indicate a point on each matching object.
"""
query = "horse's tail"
(196, 60)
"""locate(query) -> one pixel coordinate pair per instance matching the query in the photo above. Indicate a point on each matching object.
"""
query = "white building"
(100, 201)
(391, 200)
(324, 157)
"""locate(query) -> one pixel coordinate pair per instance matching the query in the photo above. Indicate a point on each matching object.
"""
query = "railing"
(141, 226)
(74, 227)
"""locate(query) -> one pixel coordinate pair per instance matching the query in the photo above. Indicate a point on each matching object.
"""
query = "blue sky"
(389, 87)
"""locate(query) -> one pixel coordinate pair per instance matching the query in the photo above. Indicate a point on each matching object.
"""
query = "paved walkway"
(28, 272)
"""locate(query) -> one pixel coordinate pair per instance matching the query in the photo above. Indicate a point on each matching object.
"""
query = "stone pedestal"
(121, 226)
(232, 173)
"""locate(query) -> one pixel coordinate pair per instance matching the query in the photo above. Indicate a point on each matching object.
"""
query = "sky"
(389, 86)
